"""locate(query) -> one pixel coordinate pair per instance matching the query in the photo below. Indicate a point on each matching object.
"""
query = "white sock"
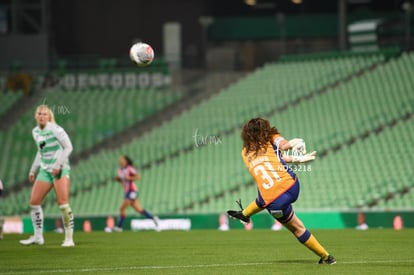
(37, 220)
(67, 218)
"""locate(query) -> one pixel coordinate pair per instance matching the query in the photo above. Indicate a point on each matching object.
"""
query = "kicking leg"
(245, 214)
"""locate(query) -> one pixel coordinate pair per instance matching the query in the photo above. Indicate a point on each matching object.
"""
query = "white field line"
(126, 268)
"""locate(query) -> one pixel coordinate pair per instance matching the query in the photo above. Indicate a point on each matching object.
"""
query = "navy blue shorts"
(281, 208)
(131, 195)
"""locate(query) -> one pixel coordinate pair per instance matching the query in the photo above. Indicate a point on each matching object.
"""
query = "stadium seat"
(8, 99)
(207, 177)
(88, 116)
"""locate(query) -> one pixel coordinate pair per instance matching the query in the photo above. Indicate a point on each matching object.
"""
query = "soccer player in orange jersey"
(277, 184)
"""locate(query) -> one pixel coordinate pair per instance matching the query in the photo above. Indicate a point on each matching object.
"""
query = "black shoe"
(238, 215)
(329, 260)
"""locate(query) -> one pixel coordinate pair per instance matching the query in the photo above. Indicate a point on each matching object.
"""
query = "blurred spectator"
(49, 81)
(398, 223)
(277, 226)
(362, 225)
(58, 226)
(19, 82)
(110, 224)
(223, 223)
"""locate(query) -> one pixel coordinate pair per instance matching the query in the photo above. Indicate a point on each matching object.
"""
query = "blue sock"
(120, 221)
(304, 237)
(147, 214)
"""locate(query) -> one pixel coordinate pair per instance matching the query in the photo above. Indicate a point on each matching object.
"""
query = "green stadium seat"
(348, 177)
(85, 115)
(8, 99)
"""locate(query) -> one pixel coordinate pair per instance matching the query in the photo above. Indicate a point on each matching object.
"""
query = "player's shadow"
(295, 262)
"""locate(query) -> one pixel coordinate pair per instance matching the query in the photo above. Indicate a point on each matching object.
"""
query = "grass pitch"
(211, 252)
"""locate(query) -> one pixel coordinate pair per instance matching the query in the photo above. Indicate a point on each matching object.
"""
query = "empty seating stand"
(88, 116)
(195, 158)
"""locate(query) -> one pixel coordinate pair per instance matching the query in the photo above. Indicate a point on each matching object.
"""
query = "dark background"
(108, 27)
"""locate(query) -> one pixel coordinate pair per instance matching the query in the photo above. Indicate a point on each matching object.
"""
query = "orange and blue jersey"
(270, 172)
(128, 185)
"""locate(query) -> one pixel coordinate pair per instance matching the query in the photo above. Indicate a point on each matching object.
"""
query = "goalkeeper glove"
(304, 158)
(298, 145)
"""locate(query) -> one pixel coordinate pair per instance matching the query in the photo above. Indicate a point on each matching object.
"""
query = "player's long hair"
(51, 115)
(128, 160)
(256, 133)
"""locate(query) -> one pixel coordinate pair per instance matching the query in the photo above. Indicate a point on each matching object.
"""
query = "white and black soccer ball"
(141, 54)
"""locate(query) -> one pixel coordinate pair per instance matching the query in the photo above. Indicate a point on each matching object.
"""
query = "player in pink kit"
(127, 175)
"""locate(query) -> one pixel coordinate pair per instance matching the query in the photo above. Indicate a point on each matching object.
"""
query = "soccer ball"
(141, 54)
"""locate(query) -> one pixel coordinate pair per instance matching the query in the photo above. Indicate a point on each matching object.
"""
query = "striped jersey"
(51, 142)
(128, 185)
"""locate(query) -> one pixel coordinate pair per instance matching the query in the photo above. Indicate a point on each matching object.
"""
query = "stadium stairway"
(395, 200)
(17, 109)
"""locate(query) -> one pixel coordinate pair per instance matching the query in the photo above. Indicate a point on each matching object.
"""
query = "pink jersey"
(128, 185)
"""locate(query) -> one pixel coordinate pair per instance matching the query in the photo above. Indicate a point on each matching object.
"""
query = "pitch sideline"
(81, 270)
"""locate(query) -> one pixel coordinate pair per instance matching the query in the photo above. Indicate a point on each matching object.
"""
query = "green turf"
(211, 252)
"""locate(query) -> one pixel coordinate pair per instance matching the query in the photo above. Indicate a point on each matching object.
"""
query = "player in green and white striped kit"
(50, 170)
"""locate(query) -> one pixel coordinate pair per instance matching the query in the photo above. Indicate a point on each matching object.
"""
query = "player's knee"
(298, 231)
(35, 201)
(61, 201)
(296, 227)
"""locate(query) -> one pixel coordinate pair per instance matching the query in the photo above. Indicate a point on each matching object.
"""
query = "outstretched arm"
(295, 144)
(300, 158)
(284, 145)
